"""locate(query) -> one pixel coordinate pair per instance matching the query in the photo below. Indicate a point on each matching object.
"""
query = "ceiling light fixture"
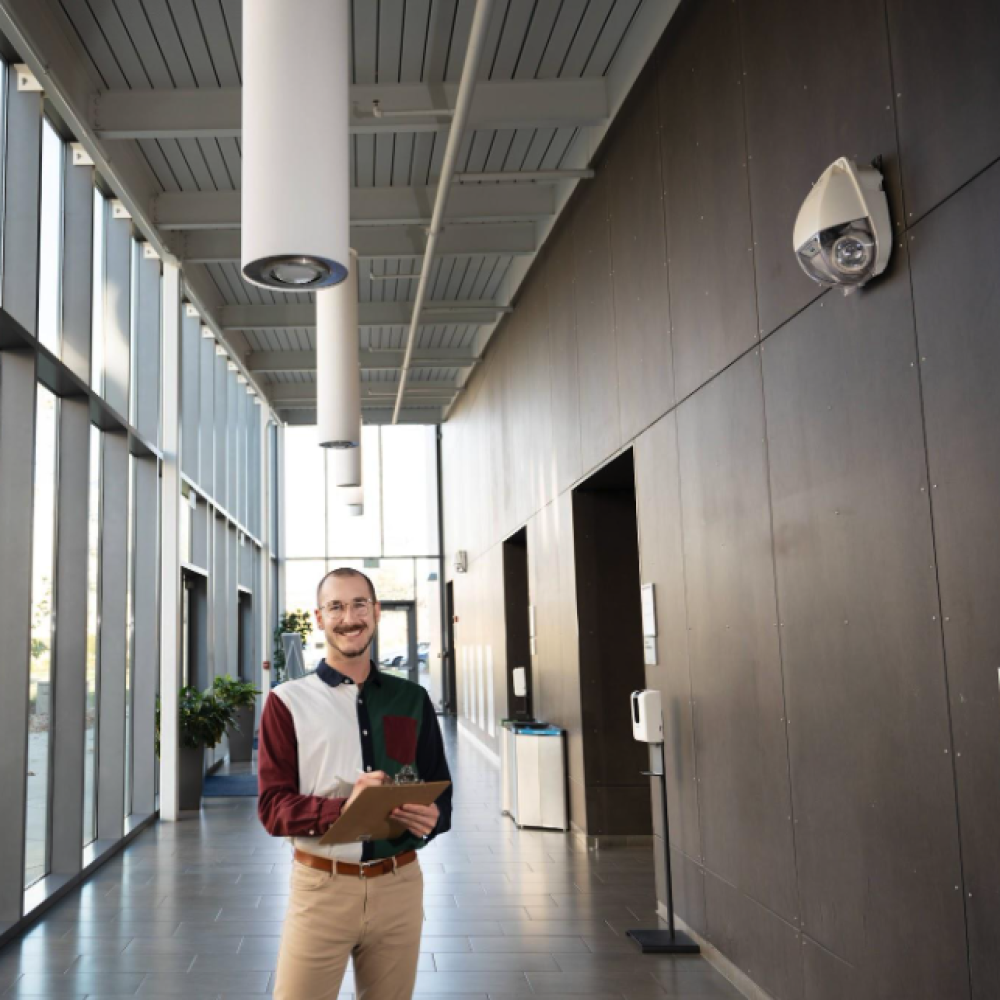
(296, 196)
(345, 466)
(338, 371)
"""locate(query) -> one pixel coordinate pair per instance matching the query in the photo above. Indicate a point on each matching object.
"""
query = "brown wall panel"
(861, 643)
(600, 425)
(873, 862)
(689, 886)
(818, 86)
(735, 666)
(639, 260)
(948, 118)
(538, 404)
(757, 941)
(556, 665)
(661, 555)
(709, 240)
(557, 278)
(957, 299)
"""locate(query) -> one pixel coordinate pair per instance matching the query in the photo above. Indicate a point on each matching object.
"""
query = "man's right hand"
(368, 780)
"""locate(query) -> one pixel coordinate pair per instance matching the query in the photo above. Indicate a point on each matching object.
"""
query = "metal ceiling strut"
(466, 88)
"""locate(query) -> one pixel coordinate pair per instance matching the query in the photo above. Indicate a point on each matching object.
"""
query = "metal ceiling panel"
(186, 44)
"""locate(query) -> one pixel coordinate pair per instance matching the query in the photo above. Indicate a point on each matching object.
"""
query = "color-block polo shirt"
(318, 733)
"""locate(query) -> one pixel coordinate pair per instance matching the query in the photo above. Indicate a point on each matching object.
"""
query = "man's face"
(351, 632)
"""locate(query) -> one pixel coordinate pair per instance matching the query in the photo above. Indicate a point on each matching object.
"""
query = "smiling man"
(322, 740)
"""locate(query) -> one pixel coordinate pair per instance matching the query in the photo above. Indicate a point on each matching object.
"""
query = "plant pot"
(241, 738)
(192, 777)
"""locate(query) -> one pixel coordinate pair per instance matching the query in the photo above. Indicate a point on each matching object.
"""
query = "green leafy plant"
(235, 693)
(202, 718)
(291, 621)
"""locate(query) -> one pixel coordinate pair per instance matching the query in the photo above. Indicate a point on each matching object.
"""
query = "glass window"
(429, 628)
(97, 294)
(40, 691)
(93, 631)
(305, 504)
(50, 240)
(409, 491)
(302, 576)
(357, 536)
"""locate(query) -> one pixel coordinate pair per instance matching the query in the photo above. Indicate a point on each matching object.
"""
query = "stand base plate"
(662, 943)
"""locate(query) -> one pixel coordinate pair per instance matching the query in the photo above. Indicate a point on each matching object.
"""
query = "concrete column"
(170, 572)
(22, 197)
(17, 455)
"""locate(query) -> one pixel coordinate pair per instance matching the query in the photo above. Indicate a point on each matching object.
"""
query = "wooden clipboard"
(368, 817)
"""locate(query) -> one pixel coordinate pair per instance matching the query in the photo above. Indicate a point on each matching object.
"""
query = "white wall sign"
(649, 650)
(491, 721)
(481, 687)
(648, 610)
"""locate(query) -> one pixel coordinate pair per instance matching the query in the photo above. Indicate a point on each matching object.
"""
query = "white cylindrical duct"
(338, 373)
(296, 166)
(352, 500)
(345, 466)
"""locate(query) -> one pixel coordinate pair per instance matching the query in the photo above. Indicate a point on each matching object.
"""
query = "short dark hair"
(342, 571)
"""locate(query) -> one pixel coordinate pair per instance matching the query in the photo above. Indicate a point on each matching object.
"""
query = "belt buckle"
(366, 864)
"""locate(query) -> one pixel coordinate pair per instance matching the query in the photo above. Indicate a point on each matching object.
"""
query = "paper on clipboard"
(368, 817)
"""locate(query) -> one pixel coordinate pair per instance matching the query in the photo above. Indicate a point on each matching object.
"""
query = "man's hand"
(369, 780)
(419, 820)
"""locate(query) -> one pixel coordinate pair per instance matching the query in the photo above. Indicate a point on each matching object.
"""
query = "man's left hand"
(419, 820)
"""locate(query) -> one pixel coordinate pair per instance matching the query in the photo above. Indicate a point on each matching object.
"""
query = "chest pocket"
(400, 733)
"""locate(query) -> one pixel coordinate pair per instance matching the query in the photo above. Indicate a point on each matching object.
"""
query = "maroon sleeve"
(282, 810)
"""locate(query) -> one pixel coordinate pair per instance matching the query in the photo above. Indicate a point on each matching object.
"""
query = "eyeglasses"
(361, 607)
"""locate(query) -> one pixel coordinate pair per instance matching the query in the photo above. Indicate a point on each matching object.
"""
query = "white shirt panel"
(329, 748)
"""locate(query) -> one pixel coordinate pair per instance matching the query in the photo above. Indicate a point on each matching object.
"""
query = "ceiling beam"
(386, 206)
(371, 417)
(408, 107)
(295, 395)
(511, 239)
(305, 361)
(302, 316)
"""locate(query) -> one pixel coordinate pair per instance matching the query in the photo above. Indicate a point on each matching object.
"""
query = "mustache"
(344, 629)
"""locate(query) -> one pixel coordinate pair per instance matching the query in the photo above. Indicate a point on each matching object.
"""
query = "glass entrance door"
(396, 641)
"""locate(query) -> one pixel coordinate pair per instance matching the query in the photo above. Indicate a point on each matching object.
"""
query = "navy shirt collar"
(335, 678)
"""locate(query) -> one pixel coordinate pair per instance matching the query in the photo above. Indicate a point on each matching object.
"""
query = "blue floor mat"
(230, 785)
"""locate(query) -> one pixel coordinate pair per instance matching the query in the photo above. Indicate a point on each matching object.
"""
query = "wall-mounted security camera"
(843, 235)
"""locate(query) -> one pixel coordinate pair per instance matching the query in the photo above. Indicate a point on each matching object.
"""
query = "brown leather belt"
(370, 869)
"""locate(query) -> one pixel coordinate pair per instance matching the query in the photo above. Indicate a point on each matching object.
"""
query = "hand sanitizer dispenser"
(647, 716)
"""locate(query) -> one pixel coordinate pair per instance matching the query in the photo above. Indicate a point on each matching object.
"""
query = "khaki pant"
(330, 918)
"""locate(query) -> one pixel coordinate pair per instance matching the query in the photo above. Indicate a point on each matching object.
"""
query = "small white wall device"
(647, 716)
(843, 235)
(520, 682)
(461, 561)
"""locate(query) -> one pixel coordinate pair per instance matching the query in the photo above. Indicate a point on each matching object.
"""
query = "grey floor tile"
(195, 909)
(76, 984)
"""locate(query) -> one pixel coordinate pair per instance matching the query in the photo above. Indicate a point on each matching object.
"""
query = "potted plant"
(202, 720)
(292, 621)
(241, 696)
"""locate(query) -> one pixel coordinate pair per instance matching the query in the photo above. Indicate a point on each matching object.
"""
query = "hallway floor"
(194, 909)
